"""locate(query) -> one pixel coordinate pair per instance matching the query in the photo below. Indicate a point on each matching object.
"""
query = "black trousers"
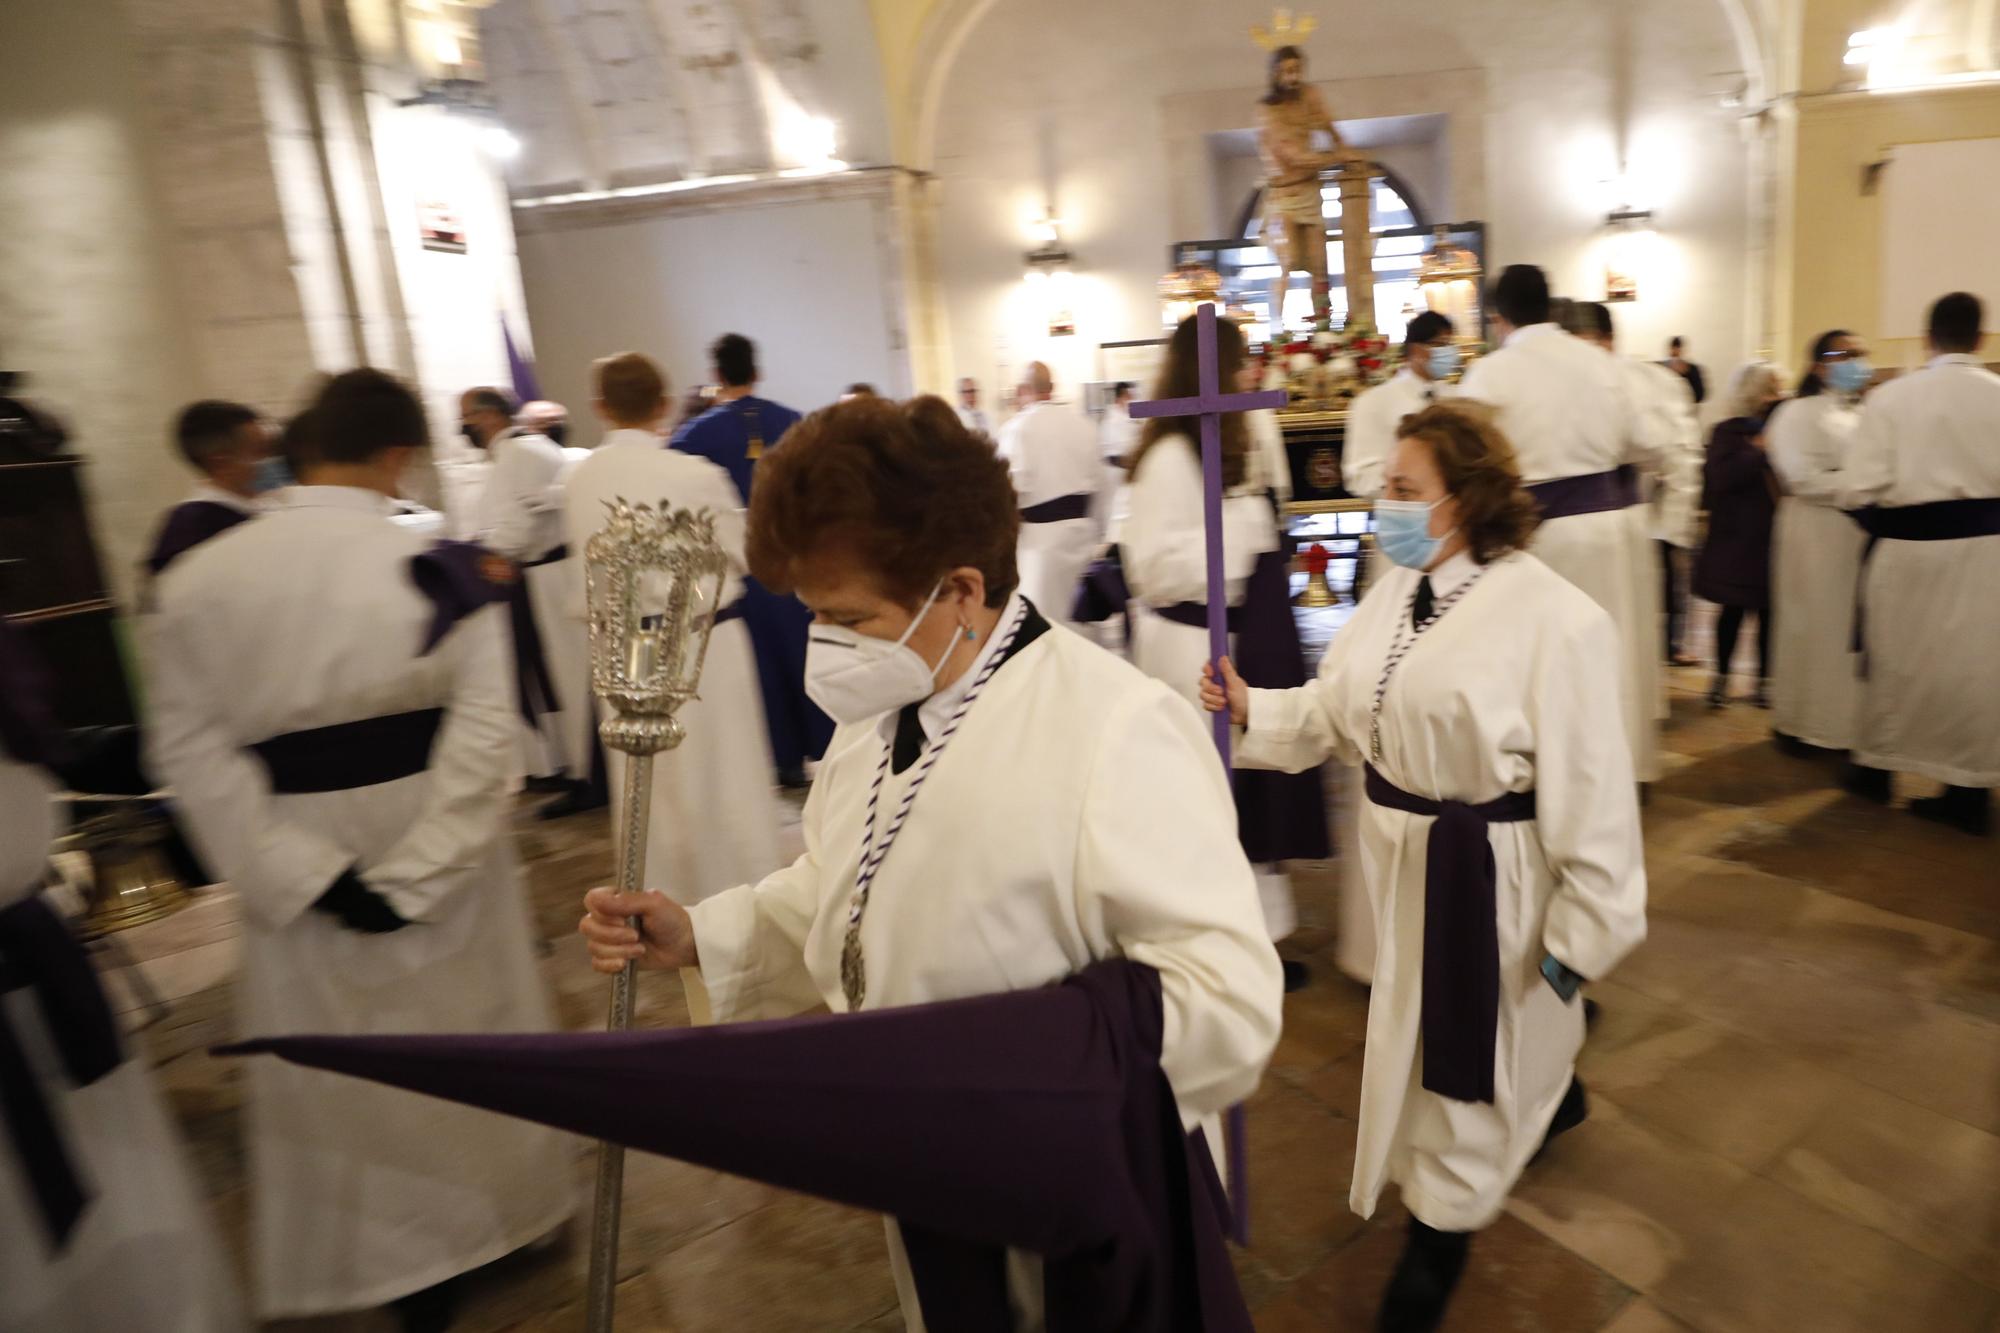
(1674, 598)
(1727, 626)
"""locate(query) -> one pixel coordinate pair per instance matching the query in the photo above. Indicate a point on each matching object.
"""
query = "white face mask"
(854, 677)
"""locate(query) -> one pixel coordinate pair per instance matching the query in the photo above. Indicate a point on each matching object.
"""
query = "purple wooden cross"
(1209, 406)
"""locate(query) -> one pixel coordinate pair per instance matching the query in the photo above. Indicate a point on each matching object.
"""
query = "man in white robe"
(519, 518)
(1430, 358)
(715, 814)
(1668, 439)
(1058, 469)
(970, 414)
(1816, 553)
(142, 1253)
(1927, 456)
(331, 709)
(1564, 406)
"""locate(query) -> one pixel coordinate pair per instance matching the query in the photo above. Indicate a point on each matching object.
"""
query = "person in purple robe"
(735, 433)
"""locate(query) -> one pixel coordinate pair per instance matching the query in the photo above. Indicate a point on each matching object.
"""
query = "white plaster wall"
(1103, 111)
(85, 306)
(812, 281)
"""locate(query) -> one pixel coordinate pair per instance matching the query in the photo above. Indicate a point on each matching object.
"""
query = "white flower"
(1300, 362)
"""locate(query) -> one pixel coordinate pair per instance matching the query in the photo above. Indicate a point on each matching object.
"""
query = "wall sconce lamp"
(1629, 219)
(1050, 254)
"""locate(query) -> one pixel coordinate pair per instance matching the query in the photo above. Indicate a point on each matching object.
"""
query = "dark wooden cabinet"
(52, 585)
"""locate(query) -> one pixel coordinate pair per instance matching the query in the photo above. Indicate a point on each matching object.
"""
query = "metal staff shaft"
(606, 1210)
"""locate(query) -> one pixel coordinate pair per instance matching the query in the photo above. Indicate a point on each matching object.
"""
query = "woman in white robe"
(1165, 550)
(311, 618)
(1816, 552)
(1493, 676)
(143, 1254)
(715, 816)
(1042, 805)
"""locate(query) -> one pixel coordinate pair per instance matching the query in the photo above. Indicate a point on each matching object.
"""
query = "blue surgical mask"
(1849, 376)
(1403, 533)
(1444, 361)
(272, 474)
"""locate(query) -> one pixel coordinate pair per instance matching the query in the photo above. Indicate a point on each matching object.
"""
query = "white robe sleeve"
(1642, 418)
(1871, 460)
(1011, 447)
(1176, 894)
(277, 867)
(752, 938)
(512, 501)
(1807, 456)
(1586, 804)
(465, 806)
(1294, 730)
(1366, 451)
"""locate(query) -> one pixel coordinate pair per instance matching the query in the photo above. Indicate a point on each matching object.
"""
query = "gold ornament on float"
(1286, 29)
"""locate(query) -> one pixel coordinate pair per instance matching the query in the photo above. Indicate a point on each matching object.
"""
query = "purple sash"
(349, 755)
(1461, 1005)
(1057, 510)
(449, 574)
(38, 951)
(1936, 521)
(535, 686)
(1279, 816)
(1593, 493)
(1038, 1119)
(188, 525)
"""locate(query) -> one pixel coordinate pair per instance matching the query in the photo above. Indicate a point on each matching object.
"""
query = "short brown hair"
(360, 413)
(1479, 468)
(895, 487)
(629, 385)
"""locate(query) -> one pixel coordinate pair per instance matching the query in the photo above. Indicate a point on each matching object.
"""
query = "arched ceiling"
(607, 93)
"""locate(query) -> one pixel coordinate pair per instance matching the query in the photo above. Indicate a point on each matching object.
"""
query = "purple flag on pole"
(1210, 406)
(1035, 1119)
(520, 369)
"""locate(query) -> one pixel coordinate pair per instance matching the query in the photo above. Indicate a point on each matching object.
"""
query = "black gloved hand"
(358, 906)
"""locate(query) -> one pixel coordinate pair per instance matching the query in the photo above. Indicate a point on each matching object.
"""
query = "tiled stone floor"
(1795, 1090)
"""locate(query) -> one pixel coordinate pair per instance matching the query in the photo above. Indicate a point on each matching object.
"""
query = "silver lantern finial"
(653, 579)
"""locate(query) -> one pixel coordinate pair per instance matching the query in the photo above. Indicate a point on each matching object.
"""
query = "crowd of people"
(343, 706)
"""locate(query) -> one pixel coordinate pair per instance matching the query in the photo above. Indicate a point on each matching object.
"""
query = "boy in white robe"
(1927, 458)
(1482, 691)
(332, 710)
(1564, 406)
(1816, 552)
(140, 1251)
(715, 814)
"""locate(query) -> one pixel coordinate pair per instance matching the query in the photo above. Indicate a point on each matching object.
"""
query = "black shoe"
(576, 801)
(428, 1311)
(1296, 976)
(1967, 809)
(1718, 696)
(1870, 784)
(1791, 745)
(1421, 1287)
(547, 783)
(793, 777)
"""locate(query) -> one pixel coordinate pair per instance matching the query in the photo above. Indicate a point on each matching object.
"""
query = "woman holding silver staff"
(1004, 803)
(1500, 838)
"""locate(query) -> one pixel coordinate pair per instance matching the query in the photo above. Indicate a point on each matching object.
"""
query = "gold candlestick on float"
(653, 581)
